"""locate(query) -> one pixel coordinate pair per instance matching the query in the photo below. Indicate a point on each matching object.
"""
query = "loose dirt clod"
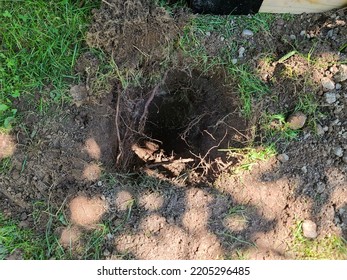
(7, 146)
(297, 120)
(132, 31)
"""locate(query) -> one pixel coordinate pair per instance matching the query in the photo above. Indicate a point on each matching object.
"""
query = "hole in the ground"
(191, 117)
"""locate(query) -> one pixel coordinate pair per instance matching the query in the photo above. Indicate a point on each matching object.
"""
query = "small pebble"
(208, 33)
(338, 86)
(241, 52)
(320, 187)
(222, 38)
(247, 33)
(234, 61)
(303, 33)
(297, 120)
(330, 97)
(338, 151)
(292, 37)
(330, 33)
(341, 76)
(320, 130)
(327, 84)
(283, 158)
(309, 229)
(304, 169)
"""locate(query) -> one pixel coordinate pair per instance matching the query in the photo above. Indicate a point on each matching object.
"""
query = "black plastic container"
(225, 7)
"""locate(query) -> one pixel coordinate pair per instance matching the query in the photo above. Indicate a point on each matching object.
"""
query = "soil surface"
(146, 159)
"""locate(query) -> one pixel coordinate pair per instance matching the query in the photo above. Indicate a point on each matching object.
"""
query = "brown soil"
(171, 194)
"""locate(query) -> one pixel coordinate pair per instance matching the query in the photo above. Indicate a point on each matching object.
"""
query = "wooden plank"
(300, 6)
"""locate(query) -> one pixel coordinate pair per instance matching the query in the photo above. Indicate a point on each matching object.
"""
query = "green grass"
(249, 156)
(328, 247)
(193, 45)
(40, 42)
(90, 244)
(249, 85)
(12, 238)
(275, 127)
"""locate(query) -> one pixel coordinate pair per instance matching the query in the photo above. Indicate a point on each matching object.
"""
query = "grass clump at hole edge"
(249, 156)
(38, 49)
(276, 127)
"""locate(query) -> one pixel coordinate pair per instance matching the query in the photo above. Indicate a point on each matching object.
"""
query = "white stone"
(330, 97)
(241, 52)
(341, 76)
(320, 130)
(338, 151)
(247, 33)
(327, 84)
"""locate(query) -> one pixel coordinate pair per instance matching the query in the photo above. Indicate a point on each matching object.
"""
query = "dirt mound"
(134, 32)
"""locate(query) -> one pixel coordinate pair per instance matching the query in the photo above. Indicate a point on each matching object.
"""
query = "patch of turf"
(13, 238)
(328, 247)
(249, 156)
(39, 43)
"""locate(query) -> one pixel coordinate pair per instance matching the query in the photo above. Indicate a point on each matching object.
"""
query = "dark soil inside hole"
(193, 116)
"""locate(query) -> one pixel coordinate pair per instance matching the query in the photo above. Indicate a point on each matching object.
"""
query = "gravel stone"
(330, 97)
(309, 229)
(327, 84)
(320, 187)
(247, 33)
(241, 52)
(283, 158)
(341, 76)
(338, 151)
(338, 86)
(320, 130)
